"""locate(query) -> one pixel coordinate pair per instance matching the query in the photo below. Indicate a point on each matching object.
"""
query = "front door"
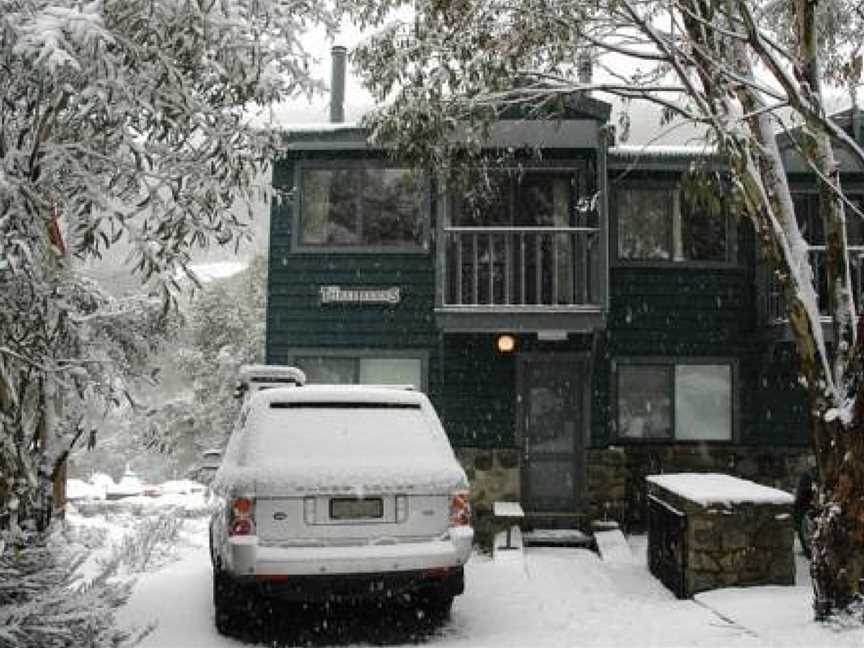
(552, 415)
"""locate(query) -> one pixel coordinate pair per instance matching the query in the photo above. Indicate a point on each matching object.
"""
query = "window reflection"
(374, 207)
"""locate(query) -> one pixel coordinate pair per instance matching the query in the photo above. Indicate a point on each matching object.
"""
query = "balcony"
(521, 278)
(774, 304)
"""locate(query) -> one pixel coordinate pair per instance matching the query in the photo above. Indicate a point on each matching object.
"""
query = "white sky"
(644, 126)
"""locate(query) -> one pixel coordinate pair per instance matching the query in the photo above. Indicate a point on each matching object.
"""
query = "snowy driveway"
(556, 597)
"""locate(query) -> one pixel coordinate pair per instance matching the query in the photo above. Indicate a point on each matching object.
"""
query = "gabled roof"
(515, 127)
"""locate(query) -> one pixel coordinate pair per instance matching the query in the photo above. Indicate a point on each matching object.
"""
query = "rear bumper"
(249, 559)
(354, 587)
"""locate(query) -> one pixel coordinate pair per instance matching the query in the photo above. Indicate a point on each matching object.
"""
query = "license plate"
(356, 509)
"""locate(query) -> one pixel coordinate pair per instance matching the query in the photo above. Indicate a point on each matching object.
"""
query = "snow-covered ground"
(548, 597)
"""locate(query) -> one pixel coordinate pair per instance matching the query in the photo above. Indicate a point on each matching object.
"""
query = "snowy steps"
(613, 548)
(557, 538)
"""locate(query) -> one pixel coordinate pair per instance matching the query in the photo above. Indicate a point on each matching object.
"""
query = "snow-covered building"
(584, 323)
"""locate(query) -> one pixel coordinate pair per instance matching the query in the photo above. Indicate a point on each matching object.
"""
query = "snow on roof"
(662, 150)
(217, 270)
(716, 488)
(321, 127)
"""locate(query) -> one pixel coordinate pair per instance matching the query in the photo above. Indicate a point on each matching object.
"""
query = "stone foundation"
(616, 475)
(615, 480)
(733, 544)
(493, 473)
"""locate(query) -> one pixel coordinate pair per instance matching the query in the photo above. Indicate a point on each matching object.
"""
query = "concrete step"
(613, 548)
(557, 538)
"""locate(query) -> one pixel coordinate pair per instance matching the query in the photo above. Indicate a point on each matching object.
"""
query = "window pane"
(807, 212)
(329, 207)
(392, 200)
(361, 206)
(543, 200)
(479, 200)
(644, 224)
(391, 371)
(328, 370)
(703, 402)
(855, 222)
(703, 229)
(644, 402)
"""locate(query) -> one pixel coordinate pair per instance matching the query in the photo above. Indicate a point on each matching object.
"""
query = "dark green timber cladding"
(472, 386)
(664, 312)
(296, 318)
(682, 313)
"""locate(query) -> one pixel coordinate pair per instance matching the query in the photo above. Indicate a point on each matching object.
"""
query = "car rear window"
(341, 405)
(342, 430)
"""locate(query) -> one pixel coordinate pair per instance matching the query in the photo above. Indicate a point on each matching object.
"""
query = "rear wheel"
(224, 602)
(436, 604)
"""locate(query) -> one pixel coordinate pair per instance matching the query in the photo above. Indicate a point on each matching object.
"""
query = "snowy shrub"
(146, 546)
(43, 606)
(183, 507)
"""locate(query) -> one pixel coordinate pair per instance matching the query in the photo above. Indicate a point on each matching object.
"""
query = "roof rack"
(257, 377)
(402, 387)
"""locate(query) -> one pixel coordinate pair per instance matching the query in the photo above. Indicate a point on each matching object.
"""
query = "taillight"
(242, 517)
(243, 526)
(460, 510)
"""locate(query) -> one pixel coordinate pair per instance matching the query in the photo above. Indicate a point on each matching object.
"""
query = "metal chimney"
(337, 84)
(584, 67)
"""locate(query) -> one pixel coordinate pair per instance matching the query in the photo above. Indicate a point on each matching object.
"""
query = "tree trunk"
(837, 565)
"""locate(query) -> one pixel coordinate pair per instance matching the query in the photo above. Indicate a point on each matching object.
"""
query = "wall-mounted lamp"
(505, 343)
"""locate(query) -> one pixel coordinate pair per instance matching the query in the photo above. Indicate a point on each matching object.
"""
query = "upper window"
(683, 402)
(537, 198)
(810, 221)
(667, 224)
(361, 206)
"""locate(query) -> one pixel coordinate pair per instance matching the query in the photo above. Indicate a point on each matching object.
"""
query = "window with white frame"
(361, 369)
(674, 401)
(668, 224)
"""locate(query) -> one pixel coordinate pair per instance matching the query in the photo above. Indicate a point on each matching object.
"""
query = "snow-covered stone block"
(708, 530)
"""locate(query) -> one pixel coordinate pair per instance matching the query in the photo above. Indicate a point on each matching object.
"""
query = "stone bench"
(709, 530)
(508, 513)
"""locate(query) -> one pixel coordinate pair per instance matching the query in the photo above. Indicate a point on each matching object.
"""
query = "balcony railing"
(536, 267)
(775, 304)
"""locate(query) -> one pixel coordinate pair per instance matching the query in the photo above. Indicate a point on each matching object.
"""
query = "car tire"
(224, 602)
(436, 605)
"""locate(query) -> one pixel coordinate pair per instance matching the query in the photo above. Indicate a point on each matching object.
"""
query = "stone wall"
(616, 475)
(734, 545)
(493, 473)
(615, 480)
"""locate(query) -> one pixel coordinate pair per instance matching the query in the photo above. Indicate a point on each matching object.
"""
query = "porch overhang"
(519, 319)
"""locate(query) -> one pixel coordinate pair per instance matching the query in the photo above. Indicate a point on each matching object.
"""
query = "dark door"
(552, 416)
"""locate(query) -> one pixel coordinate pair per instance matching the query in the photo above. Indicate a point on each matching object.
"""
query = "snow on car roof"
(400, 446)
(337, 393)
(716, 488)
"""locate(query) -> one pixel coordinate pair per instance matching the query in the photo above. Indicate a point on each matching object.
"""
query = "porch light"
(505, 343)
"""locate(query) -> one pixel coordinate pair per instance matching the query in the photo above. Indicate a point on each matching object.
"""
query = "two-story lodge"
(581, 325)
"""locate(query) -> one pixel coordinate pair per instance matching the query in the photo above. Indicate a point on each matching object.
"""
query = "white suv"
(338, 492)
